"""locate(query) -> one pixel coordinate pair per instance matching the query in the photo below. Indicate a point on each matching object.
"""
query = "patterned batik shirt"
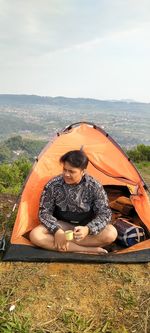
(78, 198)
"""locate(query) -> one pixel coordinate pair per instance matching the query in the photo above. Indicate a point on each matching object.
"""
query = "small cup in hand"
(69, 235)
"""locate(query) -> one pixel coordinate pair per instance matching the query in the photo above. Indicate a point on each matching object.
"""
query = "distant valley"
(37, 117)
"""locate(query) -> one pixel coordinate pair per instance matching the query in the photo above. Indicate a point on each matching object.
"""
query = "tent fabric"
(108, 164)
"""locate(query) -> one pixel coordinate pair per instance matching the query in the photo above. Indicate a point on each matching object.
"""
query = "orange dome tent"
(108, 164)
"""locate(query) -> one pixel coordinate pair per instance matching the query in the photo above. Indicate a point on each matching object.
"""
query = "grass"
(10, 322)
(126, 298)
(70, 298)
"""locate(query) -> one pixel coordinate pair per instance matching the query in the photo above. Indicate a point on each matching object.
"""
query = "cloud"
(73, 46)
(38, 26)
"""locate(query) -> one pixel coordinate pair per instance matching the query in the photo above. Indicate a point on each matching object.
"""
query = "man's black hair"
(76, 158)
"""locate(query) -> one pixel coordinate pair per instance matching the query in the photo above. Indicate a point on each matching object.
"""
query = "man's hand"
(80, 232)
(60, 240)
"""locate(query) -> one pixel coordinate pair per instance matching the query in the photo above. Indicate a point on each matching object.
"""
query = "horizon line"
(126, 100)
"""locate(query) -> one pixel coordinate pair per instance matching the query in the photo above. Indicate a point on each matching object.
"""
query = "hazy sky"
(76, 48)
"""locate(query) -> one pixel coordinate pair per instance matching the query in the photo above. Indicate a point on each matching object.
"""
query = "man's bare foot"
(94, 250)
(102, 251)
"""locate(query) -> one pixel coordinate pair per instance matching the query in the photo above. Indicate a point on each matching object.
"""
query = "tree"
(14, 143)
(5, 153)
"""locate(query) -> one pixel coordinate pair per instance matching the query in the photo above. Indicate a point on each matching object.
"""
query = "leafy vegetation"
(13, 175)
(140, 153)
(16, 146)
(5, 153)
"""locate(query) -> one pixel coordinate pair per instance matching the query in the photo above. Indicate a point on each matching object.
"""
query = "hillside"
(39, 117)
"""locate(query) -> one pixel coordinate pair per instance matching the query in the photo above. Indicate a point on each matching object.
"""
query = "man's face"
(72, 175)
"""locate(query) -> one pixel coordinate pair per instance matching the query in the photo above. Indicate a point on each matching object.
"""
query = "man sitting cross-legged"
(74, 200)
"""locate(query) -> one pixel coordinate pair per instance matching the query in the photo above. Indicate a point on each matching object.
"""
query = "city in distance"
(37, 117)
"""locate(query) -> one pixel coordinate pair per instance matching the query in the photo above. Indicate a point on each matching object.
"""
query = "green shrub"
(13, 175)
(140, 153)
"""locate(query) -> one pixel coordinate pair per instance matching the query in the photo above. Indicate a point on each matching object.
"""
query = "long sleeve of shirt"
(102, 212)
(47, 205)
(77, 198)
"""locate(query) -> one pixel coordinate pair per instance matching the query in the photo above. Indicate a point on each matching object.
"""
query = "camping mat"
(32, 254)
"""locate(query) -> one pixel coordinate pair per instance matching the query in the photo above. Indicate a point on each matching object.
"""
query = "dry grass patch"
(76, 298)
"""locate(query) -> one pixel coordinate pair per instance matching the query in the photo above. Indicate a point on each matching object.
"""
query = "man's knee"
(34, 235)
(40, 237)
(37, 233)
(110, 233)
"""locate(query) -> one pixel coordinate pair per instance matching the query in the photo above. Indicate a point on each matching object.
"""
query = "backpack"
(128, 233)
